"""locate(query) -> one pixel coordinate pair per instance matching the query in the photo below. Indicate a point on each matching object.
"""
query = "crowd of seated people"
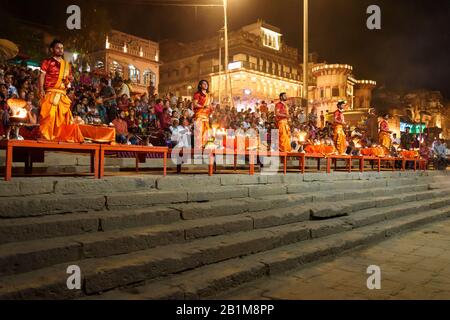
(167, 120)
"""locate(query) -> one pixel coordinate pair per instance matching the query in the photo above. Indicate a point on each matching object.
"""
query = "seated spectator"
(4, 115)
(124, 103)
(122, 88)
(425, 152)
(166, 119)
(12, 90)
(121, 126)
(108, 96)
(82, 107)
(440, 155)
(133, 122)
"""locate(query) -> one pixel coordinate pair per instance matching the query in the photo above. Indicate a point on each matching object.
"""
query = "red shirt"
(159, 112)
(51, 67)
(384, 126)
(121, 126)
(202, 100)
(280, 107)
(166, 121)
(338, 117)
(200, 97)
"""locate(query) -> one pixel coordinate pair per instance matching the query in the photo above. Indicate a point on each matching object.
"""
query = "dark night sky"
(411, 51)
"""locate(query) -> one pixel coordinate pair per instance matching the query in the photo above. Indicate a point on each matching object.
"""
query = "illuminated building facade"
(261, 65)
(131, 57)
(335, 82)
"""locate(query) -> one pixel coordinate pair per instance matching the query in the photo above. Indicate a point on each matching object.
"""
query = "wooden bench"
(347, 158)
(138, 152)
(32, 148)
(404, 160)
(363, 159)
(252, 158)
(303, 156)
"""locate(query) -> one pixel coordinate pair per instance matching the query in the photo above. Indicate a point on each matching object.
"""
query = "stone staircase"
(191, 237)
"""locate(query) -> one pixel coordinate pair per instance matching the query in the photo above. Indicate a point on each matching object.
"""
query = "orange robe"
(321, 149)
(384, 137)
(56, 117)
(284, 131)
(201, 119)
(340, 139)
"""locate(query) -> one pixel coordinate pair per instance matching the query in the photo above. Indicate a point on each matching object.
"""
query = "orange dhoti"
(56, 122)
(284, 132)
(384, 139)
(201, 128)
(340, 140)
(56, 118)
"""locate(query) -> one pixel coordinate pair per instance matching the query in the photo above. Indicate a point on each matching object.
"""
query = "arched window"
(116, 68)
(135, 74)
(99, 64)
(149, 77)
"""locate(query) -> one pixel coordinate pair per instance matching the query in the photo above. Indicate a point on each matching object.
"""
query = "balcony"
(150, 55)
(253, 66)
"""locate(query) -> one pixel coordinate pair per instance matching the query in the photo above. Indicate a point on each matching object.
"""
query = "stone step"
(53, 226)
(102, 274)
(24, 187)
(23, 229)
(209, 281)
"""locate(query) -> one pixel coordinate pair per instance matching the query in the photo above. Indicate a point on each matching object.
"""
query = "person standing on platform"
(202, 110)
(372, 125)
(322, 120)
(406, 140)
(384, 135)
(340, 139)
(55, 79)
(108, 96)
(282, 119)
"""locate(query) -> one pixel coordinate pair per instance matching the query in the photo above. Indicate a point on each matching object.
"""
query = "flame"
(19, 113)
(302, 136)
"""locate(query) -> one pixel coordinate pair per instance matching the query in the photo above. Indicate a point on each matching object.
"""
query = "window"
(240, 57)
(335, 92)
(99, 65)
(135, 75)
(271, 38)
(322, 93)
(149, 77)
(116, 68)
(253, 61)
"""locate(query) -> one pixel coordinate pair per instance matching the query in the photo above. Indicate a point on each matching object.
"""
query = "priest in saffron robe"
(340, 138)
(56, 117)
(282, 118)
(384, 136)
(202, 110)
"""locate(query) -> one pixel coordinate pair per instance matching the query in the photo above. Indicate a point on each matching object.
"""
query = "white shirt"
(124, 89)
(440, 150)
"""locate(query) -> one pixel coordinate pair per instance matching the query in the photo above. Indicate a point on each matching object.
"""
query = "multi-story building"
(261, 65)
(336, 82)
(131, 57)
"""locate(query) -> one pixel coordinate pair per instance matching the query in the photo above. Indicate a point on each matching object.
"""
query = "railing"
(145, 54)
(253, 66)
